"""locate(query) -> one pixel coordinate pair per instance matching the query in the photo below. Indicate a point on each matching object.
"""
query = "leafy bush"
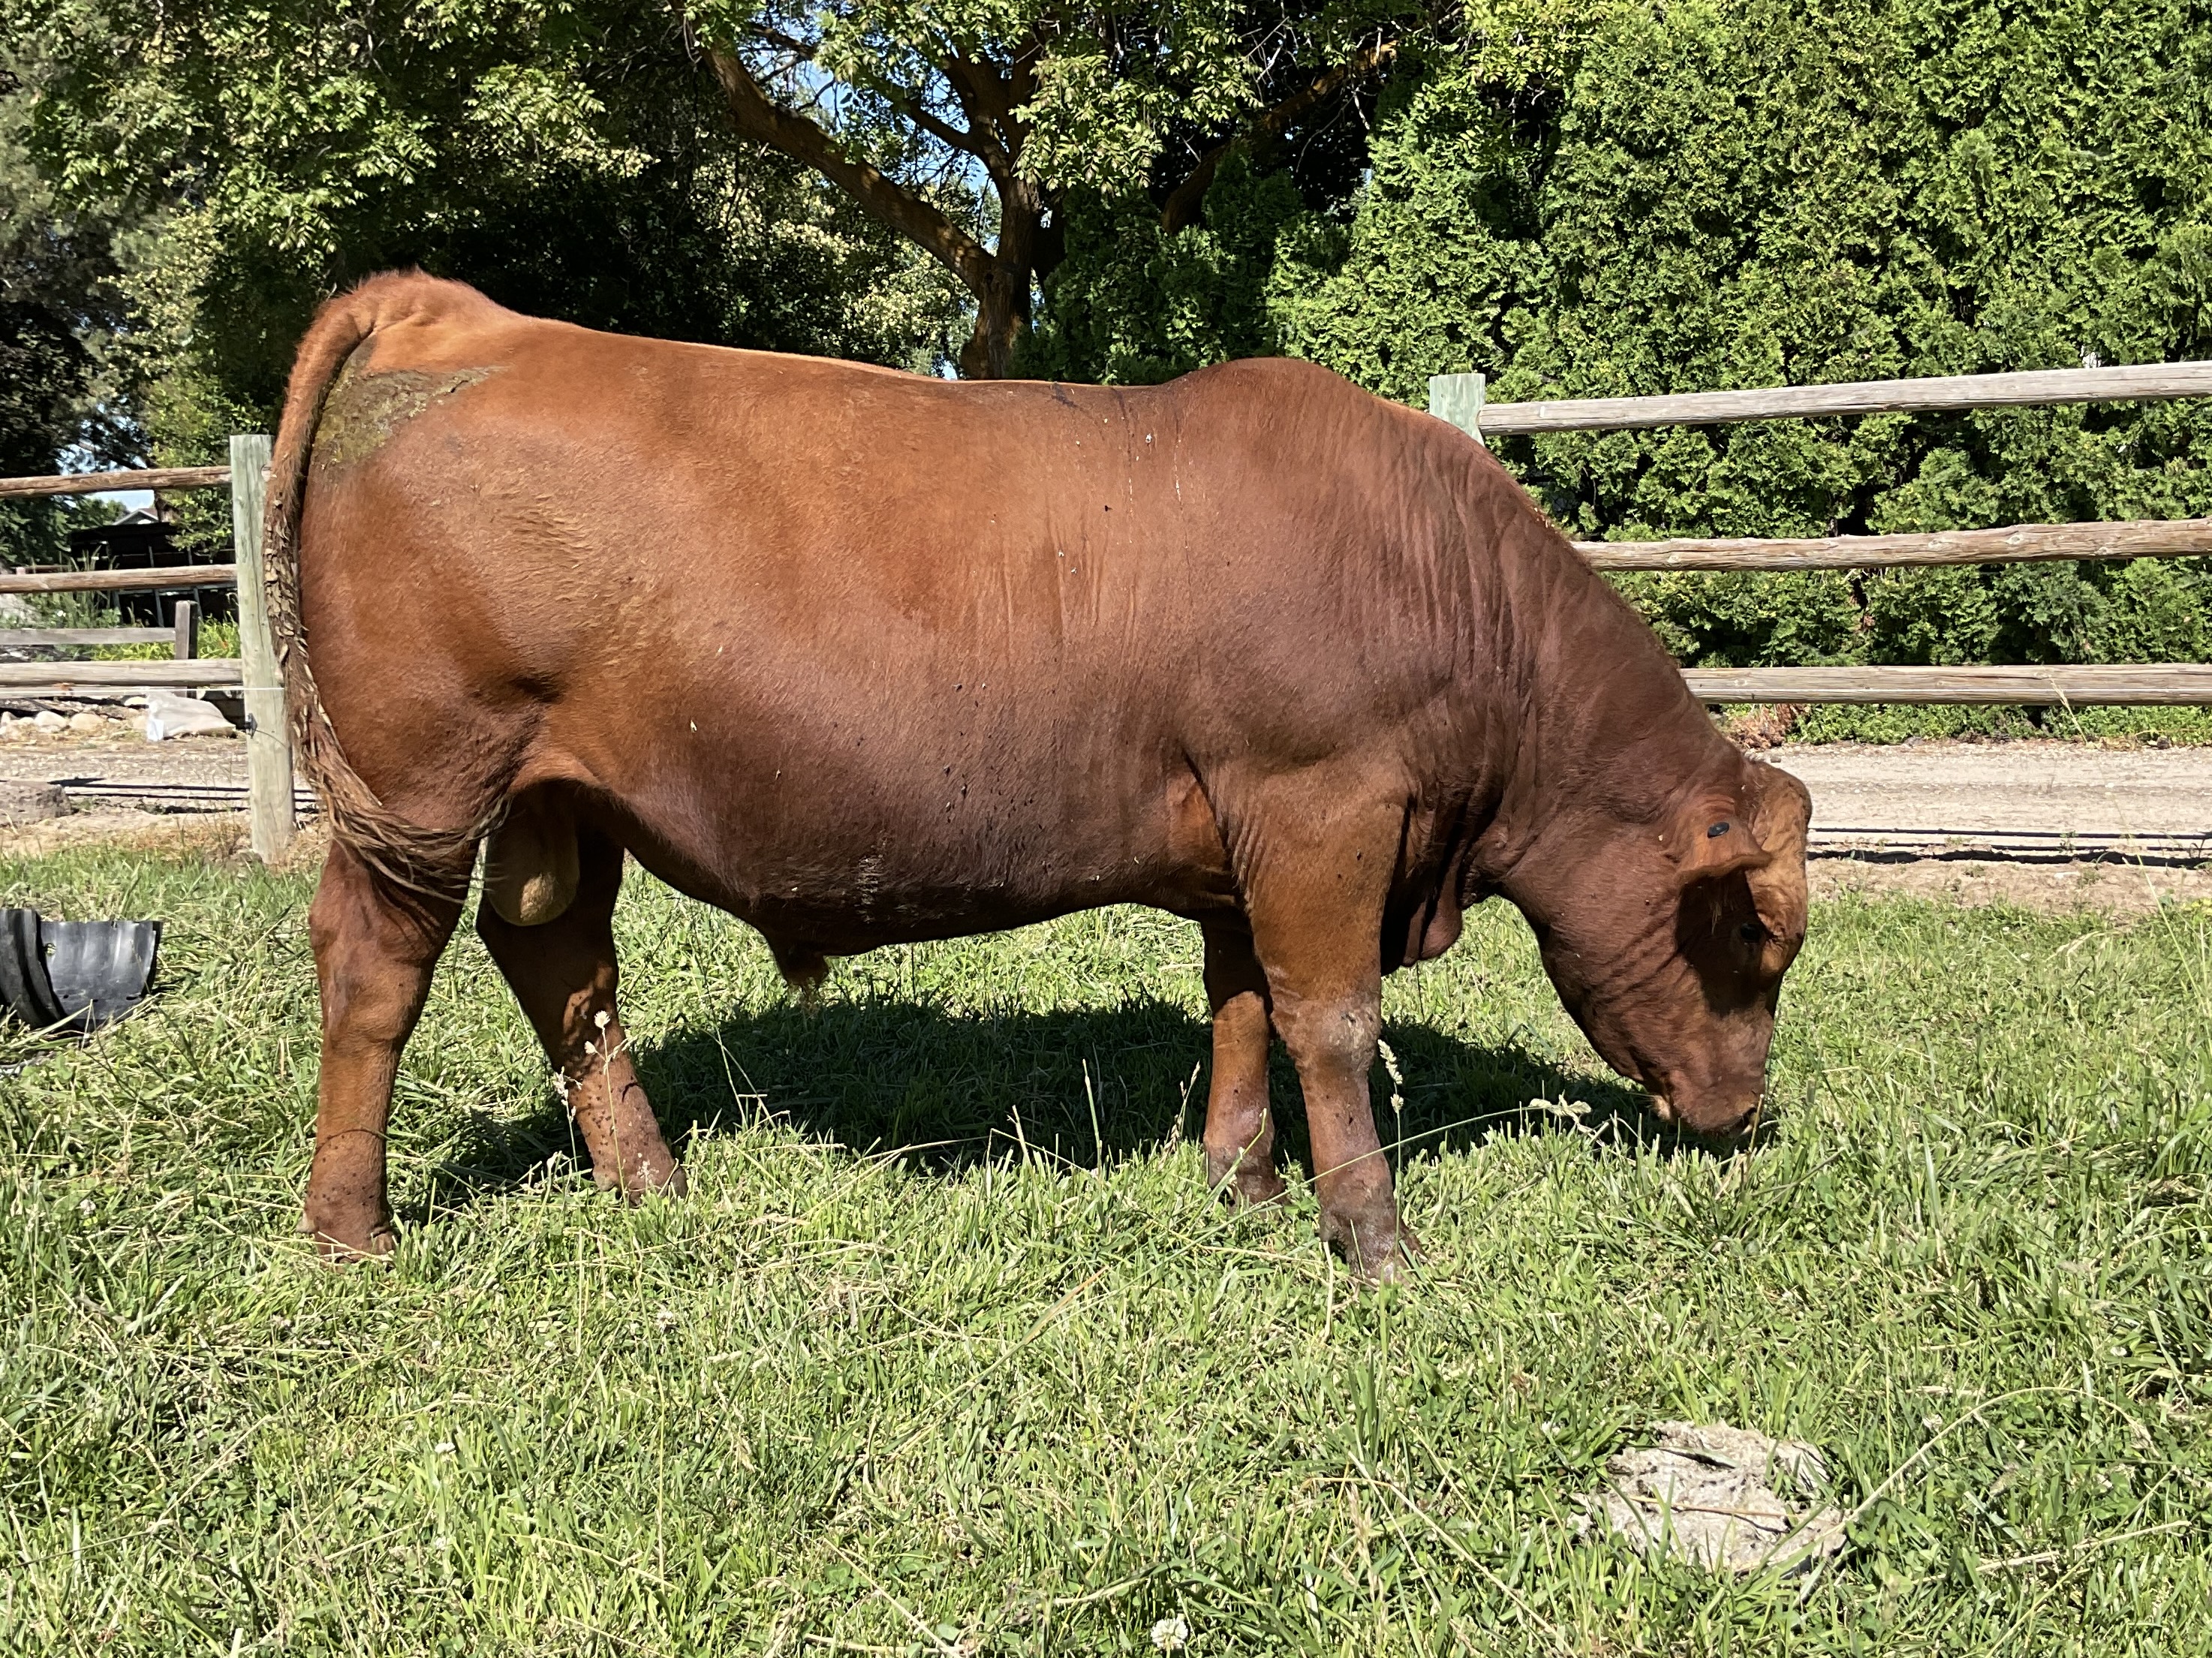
(1766, 192)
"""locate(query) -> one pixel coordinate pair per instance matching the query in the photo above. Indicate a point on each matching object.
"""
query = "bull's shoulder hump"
(1280, 375)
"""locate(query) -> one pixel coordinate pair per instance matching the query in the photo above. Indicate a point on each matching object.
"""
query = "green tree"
(60, 309)
(567, 157)
(1043, 105)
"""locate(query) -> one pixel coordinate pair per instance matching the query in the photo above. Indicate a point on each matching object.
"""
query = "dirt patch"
(2058, 800)
(29, 803)
(2111, 887)
(1724, 1498)
(115, 746)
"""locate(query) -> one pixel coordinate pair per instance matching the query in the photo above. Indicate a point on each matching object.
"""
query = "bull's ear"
(1717, 840)
(1784, 812)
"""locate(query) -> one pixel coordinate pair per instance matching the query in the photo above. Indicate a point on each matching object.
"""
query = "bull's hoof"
(648, 1180)
(1376, 1247)
(342, 1241)
(1244, 1182)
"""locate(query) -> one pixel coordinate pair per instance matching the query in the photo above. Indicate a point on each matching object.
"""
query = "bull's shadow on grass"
(940, 1091)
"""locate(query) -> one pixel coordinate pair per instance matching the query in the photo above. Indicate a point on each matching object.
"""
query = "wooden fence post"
(1458, 399)
(268, 731)
(187, 646)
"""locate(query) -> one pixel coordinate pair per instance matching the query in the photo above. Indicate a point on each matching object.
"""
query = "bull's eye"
(1751, 933)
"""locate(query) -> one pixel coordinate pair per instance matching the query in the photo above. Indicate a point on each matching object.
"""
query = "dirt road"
(2031, 798)
(2045, 823)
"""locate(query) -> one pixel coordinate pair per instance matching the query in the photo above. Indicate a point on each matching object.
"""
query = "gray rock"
(30, 803)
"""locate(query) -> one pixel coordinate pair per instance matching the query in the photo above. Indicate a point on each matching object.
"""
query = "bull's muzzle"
(1728, 1124)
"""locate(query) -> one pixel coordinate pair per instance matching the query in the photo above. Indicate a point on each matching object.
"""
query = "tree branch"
(973, 144)
(804, 50)
(756, 116)
(983, 100)
(1188, 196)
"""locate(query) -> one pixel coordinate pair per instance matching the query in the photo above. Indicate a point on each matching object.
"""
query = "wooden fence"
(252, 672)
(1459, 398)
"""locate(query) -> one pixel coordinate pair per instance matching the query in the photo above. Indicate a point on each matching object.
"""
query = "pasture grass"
(950, 1351)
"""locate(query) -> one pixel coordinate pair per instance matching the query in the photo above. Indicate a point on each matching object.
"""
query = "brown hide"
(864, 657)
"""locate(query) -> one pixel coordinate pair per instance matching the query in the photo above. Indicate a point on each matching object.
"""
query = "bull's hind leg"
(562, 972)
(376, 946)
(1239, 1128)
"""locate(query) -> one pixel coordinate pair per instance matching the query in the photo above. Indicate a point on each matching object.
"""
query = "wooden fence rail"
(1461, 400)
(2122, 684)
(268, 737)
(201, 673)
(96, 483)
(161, 579)
(2129, 538)
(1458, 399)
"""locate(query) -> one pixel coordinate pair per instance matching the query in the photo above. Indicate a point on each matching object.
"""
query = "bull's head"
(1668, 943)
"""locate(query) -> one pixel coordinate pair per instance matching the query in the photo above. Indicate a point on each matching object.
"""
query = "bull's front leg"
(376, 946)
(1240, 1127)
(1315, 904)
(1331, 1032)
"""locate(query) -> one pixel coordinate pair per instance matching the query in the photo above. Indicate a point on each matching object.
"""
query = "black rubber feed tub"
(73, 975)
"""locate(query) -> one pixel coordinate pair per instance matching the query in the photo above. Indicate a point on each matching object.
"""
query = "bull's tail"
(431, 861)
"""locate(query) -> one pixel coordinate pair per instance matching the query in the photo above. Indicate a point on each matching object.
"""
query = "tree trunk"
(1002, 318)
(1026, 253)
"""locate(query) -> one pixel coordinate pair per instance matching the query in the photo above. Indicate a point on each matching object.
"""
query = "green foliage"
(1751, 192)
(566, 157)
(949, 1338)
(1134, 307)
(1763, 193)
(59, 312)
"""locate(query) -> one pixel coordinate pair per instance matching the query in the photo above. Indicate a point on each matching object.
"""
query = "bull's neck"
(1606, 735)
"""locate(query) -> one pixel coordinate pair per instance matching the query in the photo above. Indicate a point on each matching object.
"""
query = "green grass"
(928, 1362)
(217, 638)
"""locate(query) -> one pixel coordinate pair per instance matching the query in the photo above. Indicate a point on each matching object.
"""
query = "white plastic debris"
(169, 714)
(1718, 1496)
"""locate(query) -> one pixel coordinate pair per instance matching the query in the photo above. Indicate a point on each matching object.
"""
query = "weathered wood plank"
(57, 638)
(2122, 684)
(2020, 543)
(268, 731)
(163, 578)
(2146, 382)
(141, 675)
(95, 483)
